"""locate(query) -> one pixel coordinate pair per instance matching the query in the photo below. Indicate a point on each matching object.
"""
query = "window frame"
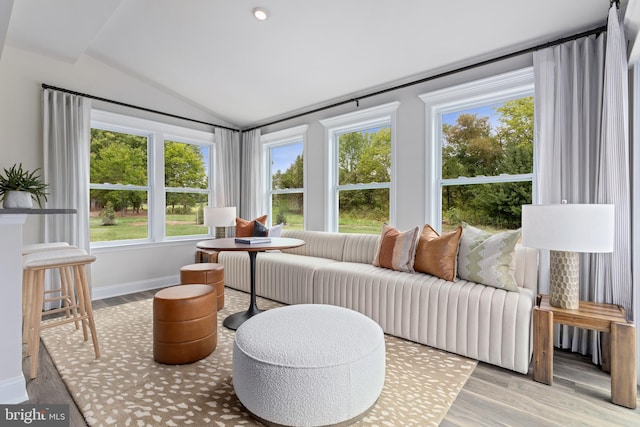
(355, 122)
(281, 138)
(157, 133)
(492, 90)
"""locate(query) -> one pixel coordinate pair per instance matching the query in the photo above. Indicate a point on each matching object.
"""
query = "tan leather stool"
(185, 324)
(206, 273)
(206, 255)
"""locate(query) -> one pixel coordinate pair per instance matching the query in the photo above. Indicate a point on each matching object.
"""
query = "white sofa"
(473, 320)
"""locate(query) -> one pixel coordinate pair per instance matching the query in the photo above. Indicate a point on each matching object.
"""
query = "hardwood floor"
(492, 396)
(579, 396)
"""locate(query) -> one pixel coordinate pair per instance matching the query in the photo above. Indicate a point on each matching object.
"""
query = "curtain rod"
(123, 104)
(587, 33)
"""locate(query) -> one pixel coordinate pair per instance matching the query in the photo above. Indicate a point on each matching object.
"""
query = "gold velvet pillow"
(396, 250)
(244, 228)
(437, 255)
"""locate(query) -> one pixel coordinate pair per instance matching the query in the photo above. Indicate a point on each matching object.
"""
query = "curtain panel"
(252, 176)
(581, 156)
(66, 137)
(568, 105)
(227, 170)
(613, 183)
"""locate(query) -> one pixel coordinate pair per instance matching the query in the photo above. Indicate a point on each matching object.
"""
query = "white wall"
(21, 76)
(125, 270)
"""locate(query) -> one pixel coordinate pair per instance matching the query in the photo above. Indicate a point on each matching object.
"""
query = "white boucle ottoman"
(308, 365)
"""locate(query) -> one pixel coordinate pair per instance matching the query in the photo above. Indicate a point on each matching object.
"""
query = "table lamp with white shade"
(566, 230)
(220, 218)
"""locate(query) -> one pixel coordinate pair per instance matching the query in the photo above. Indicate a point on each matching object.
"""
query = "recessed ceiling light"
(260, 13)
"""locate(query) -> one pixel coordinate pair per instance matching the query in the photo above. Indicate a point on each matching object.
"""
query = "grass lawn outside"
(353, 223)
(135, 226)
(126, 228)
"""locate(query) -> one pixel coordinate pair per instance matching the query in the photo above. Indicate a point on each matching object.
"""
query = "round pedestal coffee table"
(235, 320)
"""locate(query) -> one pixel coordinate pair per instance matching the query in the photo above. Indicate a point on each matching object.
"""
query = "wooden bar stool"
(73, 262)
(65, 291)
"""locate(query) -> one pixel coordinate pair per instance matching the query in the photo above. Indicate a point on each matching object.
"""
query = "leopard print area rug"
(125, 387)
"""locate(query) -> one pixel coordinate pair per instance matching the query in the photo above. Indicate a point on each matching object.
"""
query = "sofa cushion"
(488, 258)
(244, 228)
(436, 254)
(360, 247)
(317, 243)
(396, 249)
(279, 276)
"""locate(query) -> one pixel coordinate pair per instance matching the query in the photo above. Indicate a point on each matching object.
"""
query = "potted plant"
(18, 187)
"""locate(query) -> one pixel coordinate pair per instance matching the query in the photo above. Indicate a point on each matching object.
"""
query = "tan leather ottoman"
(207, 273)
(185, 325)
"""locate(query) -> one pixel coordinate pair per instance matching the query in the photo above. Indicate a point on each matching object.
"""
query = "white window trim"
(503, 87)
(370, 117)
(276, 139)
(157, 133)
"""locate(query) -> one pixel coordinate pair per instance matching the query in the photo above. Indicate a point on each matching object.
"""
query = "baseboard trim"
(103, 292)
(13, 390)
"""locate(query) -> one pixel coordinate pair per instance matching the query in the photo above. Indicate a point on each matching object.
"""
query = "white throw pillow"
(276, 230)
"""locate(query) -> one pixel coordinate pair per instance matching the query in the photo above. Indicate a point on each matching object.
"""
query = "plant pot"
(17, 199)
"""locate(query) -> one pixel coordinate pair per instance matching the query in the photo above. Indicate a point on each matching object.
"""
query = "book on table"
(253, 240)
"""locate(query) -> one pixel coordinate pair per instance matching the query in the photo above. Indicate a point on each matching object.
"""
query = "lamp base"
(564, 289)
(221, 232)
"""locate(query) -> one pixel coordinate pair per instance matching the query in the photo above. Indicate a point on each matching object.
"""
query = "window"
(360, 173)
(119, 184)
(480, 152)
(186, 182)
(284, 155)
(149, 181)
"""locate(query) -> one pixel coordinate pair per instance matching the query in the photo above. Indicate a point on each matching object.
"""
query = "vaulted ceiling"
(217, 55)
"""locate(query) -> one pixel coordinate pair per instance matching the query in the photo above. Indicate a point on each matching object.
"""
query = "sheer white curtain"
(613, 183)
(66, 136)
(577, 161)
(252, 175)
(66, 139)
(227, 167)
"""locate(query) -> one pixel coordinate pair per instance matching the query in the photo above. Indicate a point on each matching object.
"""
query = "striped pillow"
(488, 258)
(396, 250)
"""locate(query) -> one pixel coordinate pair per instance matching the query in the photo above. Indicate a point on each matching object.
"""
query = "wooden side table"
(618, 344)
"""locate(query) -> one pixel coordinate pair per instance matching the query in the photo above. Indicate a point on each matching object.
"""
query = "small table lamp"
(567, 229)
(220, 218)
